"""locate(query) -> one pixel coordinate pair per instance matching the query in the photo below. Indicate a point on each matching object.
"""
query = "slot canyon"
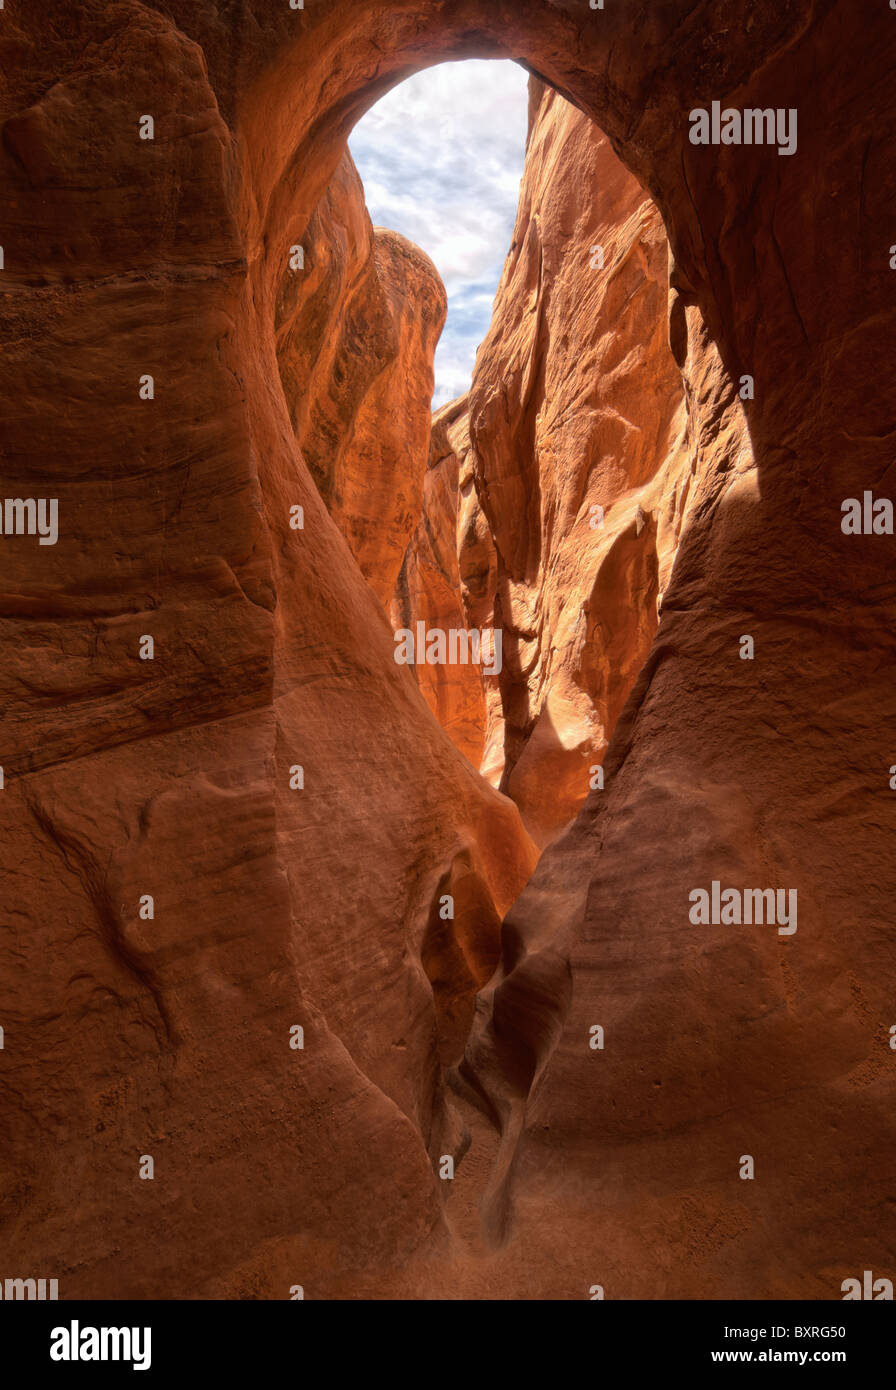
(393, 971)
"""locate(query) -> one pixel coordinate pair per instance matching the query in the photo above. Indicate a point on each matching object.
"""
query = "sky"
(441, 157)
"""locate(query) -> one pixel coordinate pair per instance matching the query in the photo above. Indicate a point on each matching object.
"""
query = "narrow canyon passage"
(541, 510)
(231, 820)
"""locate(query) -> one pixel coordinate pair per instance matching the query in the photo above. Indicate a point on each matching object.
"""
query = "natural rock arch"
(163, 256)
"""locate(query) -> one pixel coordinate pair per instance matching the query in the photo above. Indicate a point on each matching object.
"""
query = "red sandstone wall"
(126, 1036)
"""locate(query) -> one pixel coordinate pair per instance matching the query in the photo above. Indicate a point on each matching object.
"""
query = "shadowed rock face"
(271, 778)
(447, 581)
(169, 1036)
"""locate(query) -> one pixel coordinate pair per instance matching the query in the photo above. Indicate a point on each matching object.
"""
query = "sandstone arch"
(122, 256)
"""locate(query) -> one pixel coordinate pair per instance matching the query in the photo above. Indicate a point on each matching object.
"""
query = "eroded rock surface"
(573, 454)
(169, 1035)
(357, 328)
(447, 582)
(250, 832)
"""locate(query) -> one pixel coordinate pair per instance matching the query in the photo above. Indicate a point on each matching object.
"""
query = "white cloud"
(441, 158)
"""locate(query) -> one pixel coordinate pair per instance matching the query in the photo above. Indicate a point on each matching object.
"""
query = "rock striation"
(356, 334)
(224, 853)
(250, 829)
(575, 460)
